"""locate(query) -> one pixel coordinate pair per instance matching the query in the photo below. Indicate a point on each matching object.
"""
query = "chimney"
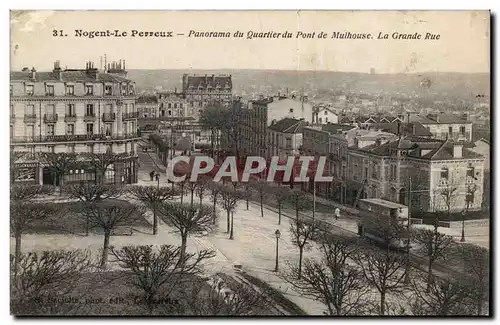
(57, 70)
(33, 73)
(458, 150)
(123, 64)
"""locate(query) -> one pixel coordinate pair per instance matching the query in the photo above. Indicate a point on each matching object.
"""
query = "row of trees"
(348, 274)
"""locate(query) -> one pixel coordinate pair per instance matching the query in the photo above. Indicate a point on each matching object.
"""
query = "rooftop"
(72, 75)
(288, 125)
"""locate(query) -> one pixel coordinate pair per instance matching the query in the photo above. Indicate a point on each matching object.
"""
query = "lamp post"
(277, 234)
(158, 181)
(463, 227)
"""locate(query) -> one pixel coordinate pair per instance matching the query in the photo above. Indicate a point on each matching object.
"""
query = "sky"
(463, 46)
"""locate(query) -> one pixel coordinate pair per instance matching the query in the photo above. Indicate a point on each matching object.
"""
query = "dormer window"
(70, 90)
(108, 90)
(89, 90)
(30, 90)
(470, 171)
(49, 90)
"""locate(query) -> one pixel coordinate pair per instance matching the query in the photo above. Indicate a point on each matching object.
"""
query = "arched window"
(169, 105)
(444, 173)
(393, 194)
(402, 196)
(175, 105)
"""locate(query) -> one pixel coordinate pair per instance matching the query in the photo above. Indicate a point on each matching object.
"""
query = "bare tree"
(191, 187)
(186, 219)
(59, 165)
(23, 215)
(229, 200)
(299, 201)
(448, 195)
(384, 271)
(215, 189)
(152, 197)
(444, 297)
(214, 117)
(181, 188)
(301, 234)
(203, 183)
(41, 276)
(433, 245)
(159, 272)
(334, 280)
(89, 193)
(476, 262)
(109, 215)
(281, 194)
(247, 193)
(100, 162)
(23, 193)
(262, 188)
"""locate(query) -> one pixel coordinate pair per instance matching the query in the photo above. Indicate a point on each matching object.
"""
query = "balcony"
(29, 118)
(73, 138)
(50, 118)
(108, 117)
(128, 116)
(89, 117)
(71, 117)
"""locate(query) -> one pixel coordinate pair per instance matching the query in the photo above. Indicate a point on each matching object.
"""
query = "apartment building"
(200, 91)
(442, 126)
(285, 138)
(73, 110)
(441, 172)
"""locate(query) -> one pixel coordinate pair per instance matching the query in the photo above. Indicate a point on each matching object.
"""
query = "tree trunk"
(301, 250)
(61, 185)
(17, 252)
(183, 245)
(182, 194)
(231, 236)
(228, 220)
(429, 275)
(382, 302)
(247, 201)
(87, 225)
(105, 248)
(192, 198)
(279, 213)
(155, 220)
(201, 198)
(261, 206)
(214, 208)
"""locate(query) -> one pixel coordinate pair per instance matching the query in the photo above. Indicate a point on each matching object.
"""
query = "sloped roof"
(146, 99)
(416, 129)
(209, 80)
(66, 76)
(288, 125)
(333, 128)
(439, 119)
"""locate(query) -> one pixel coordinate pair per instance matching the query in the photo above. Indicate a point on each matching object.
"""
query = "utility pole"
(407, 271)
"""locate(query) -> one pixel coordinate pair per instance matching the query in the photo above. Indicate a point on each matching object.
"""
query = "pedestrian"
(157, 177)
(337, 213)
(152, 175)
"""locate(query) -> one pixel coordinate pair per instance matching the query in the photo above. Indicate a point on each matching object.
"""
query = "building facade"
(73, 110)
(200, 91)
(285, 138)
(452, 127)
(442, 173)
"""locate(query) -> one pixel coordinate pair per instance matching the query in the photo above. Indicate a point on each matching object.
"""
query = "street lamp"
(158, 180)
(463, 227)
(277, 233)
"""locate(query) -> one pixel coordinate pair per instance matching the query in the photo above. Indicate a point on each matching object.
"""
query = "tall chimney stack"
(33, 73)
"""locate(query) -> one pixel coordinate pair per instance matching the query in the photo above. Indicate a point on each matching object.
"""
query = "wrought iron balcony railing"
(50, 118)
(89, 117)
(131, 115)
(108, 117)
(71, 117)
(71, 138)
(30, 118)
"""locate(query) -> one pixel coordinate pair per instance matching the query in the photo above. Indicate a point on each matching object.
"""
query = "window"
(70, 90)
(470, 171)
(291, 110)
(131, 90)
(30, 131)
(375, 171)
(89, 89)
(320, 120)
(288, 143)
(30, 90)
(326, 119)
(124, 90)
(169, 113)
(354, 172)
(109, 108)
(90, 128)
(50, 129)
(11, 90)
(50, 109)
(131, 107)
(90, 148)
(124, 128)
(90, 110)
(169, 105)
(180, 105)
(11, 131)
(366, 172)
(70, 110)
(71, 148)
(109, 147)
(70, 129)
(49, 90)
(109, 129)
(326, 113)
(108, 90)
(444, 173)
(450, 130)
(51, 149)
(462, 130)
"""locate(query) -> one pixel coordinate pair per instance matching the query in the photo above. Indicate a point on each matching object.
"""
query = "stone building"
(285, 138)
(73, 110)
(442, 126)
(200, 91)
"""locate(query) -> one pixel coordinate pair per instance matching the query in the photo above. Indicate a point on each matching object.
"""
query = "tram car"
(384, 222)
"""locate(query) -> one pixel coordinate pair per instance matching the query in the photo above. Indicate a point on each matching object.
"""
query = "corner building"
(73, 110)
